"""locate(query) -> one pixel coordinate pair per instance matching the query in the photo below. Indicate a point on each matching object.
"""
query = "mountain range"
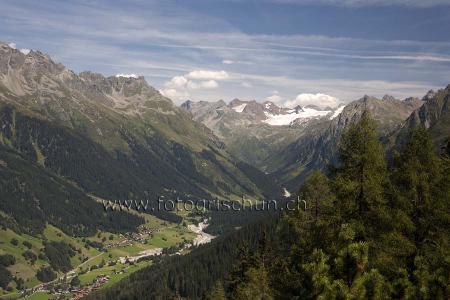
(114, 137)
(68, 140)
(117, 137)
(254, 131)
(290, 142)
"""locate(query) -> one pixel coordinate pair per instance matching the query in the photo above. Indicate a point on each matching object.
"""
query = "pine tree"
(318, 275)
(250, 278)
(217, 292)
(318, 197)
(423, 179)
(255, 285)
(361, 178)
(447, 148)
(418, 174)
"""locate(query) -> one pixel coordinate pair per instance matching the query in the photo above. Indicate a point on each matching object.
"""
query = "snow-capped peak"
(127, 75)
(337, 112)
(239, 108)
(294, 114)
(24, 51)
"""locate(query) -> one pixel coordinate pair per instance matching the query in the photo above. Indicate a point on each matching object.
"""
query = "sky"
(289, 51)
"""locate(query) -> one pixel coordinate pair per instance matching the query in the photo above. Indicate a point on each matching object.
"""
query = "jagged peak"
(388, 98)
(411, 99)
(127, 75)
(236, 101)
(429, 95)
(31, 56)
(5, 47)
(367, 98)
(40, 55)
(299, 108)
(203, 105)
(11, 47)
(187, 104)
(92, 76)
(313, 106)
(221, 102)
(127, 78)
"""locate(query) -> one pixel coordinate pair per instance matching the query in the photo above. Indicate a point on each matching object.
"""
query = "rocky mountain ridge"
(263, 133)
(134, 138)
(433, 115)
(317, 148)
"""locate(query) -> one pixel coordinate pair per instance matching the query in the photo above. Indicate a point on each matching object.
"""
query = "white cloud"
(23, 50)
(320, 100)
(181, 82)
(207, 84)
(127, 75)
(179, 87)
(177, 82)
(274, 98)
(246, 84)
(206, 74)
(174, 94)
(227, 62)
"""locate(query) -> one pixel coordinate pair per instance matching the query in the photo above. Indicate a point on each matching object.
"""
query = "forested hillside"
(32, 197)
(369, 231)
(192, 275)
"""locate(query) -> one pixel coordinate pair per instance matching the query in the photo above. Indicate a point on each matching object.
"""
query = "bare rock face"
(434, 115)
(37, 81)
(429, 95)
(255, 109)
(388, 98)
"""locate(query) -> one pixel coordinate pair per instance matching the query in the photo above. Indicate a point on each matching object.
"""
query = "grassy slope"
(169, 235)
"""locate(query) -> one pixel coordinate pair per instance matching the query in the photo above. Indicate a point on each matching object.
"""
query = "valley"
(71, 141)
(98, 261)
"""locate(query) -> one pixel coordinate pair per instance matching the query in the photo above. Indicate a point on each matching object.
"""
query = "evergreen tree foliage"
(360, 179)
(45, 274)
(5, 277)
(217, 292)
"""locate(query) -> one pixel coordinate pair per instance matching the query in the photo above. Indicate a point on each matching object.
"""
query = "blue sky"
(270, 49)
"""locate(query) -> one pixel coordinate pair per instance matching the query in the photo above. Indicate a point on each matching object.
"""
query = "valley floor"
(122, 254)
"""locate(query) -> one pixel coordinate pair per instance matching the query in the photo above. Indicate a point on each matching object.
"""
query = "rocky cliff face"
(433, 115)
(35, 77)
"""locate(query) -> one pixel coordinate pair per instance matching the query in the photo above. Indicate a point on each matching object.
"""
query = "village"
(98, 275)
